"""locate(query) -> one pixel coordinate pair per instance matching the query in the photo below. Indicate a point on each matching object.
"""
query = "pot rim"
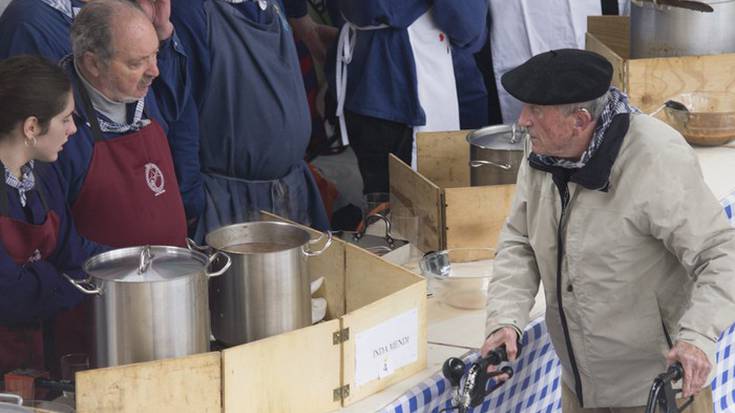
(227, 249)
(483, 132)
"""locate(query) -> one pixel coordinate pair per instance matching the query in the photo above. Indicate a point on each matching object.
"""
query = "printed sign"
(387, 347)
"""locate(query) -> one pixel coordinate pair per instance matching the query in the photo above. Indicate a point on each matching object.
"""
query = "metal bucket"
(266, 290)
(671, 28)
(150, 303)
(496, 153)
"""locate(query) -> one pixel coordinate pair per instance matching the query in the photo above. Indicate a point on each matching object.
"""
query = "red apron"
(130, 196)
(22, 346)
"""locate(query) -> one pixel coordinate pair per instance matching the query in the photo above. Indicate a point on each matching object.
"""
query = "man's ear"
(92, 64)
(582, 118)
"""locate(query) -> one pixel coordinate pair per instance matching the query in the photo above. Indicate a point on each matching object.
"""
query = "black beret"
(559, 77)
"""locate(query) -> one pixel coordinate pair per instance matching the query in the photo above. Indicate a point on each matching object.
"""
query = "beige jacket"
(647, 251)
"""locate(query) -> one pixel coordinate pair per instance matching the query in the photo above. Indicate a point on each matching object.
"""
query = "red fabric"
(124, 200)
(22, 347)
(21, 239)
(327, 190)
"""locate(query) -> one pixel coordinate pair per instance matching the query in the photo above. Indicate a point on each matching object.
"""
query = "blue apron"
(255, 124)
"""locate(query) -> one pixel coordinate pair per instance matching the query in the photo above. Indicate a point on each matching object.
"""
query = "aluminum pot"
(496, 153)
(665, 28)
(266, 290)
(150, 302)
(12, 403)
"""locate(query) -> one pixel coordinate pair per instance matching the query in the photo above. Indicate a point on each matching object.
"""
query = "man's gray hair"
(594, 107)
(91, 30)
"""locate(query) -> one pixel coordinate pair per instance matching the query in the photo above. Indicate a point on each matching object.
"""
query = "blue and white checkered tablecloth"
(535, 386)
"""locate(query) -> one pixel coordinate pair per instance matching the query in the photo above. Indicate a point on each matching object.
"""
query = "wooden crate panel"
(620, 69)
(421, 198)
(371, 278)
(408, 300)
(475, 215)
(185, 384)
(443, 158)
(613, 31)
(651, 82)
(291, 372)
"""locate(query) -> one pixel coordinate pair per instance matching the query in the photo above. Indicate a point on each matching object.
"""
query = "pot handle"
(80, 285)
(193, 246)
(311, 253)
(11, 398)
(211, 261)
(477, 164)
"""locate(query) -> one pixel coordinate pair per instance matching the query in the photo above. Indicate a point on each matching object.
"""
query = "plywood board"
(185, 384)
(653, 81)
(475, 215)
(372, 315)
(443, 158)
(421, 198)
(371, 278)
(613, 31)
(620, 71)
(291, 372)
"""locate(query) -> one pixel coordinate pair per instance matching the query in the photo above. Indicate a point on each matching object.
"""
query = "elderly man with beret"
(613, 217)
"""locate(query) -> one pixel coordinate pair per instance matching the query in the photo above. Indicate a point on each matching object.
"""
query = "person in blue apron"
(394, 75)
(253, 113)
(121, 183)
(39, 320)
(42, 27)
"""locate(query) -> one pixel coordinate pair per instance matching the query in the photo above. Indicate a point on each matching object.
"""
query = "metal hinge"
(340, 336)
(341, 393)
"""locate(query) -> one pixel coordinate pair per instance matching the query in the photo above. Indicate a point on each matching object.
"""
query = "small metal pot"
(266, 290)
(496, 153)
(150, 302)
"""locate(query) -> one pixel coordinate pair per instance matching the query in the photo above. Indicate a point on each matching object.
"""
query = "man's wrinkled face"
(128, 74)
(552, 132)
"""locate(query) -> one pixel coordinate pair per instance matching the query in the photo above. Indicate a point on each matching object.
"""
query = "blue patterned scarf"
(617, 104)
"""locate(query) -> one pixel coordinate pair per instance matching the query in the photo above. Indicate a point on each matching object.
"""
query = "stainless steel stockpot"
(150, 302)
(496, 153)
(266, 290)
(677, 28)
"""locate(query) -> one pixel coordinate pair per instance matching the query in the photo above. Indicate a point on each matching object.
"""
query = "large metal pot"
(150, 302)
(664, 28)
(496, 153)
(266, 290)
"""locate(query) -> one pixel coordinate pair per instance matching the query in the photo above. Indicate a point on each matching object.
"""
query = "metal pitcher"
(266, 290)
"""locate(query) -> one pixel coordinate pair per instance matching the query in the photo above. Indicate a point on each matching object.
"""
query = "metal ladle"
(671, 104)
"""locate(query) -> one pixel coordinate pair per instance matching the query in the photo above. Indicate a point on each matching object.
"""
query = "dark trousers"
(373, 139)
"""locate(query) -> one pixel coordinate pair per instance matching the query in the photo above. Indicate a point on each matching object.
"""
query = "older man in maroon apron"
(122, 185)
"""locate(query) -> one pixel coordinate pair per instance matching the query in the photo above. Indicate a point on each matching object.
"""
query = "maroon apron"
(130, 196)
(22, 346)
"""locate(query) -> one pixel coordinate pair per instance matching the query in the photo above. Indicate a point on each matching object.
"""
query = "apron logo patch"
(154, 178)
(36, 256)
